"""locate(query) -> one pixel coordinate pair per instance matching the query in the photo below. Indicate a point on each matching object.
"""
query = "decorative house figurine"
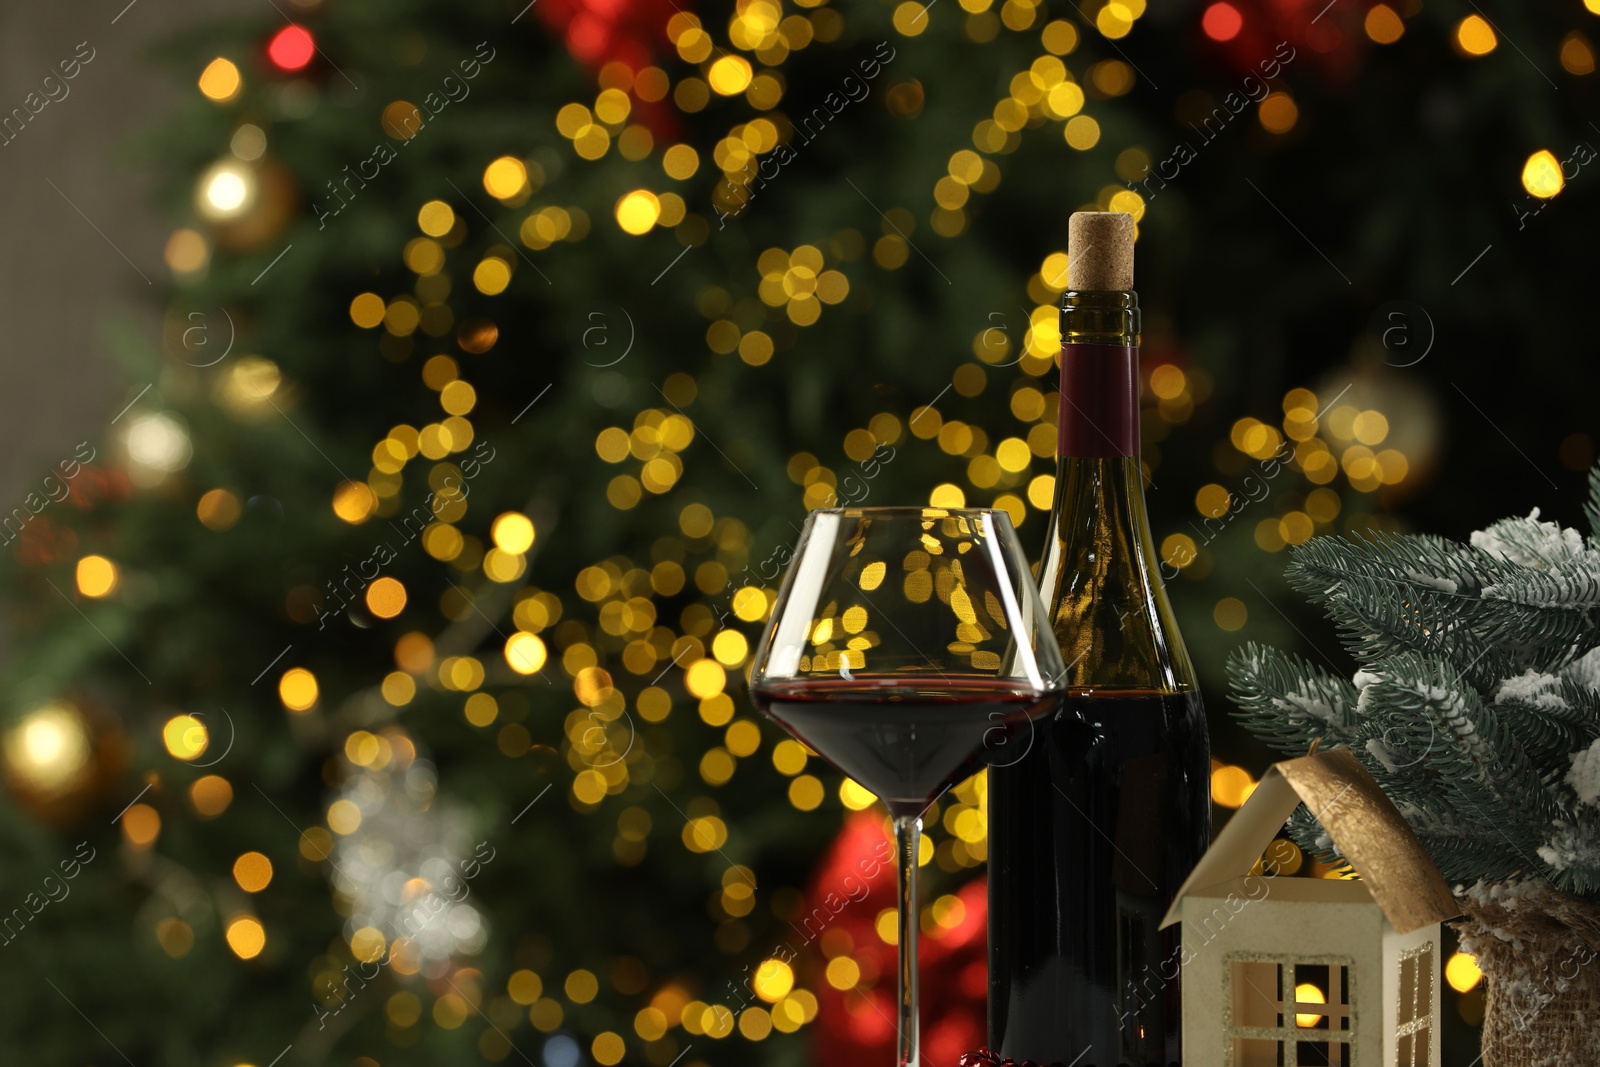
(1279, 972)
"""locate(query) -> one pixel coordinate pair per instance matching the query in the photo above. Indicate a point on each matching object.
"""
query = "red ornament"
(856, 1027)
(41, 542)
(631, 32)
(598, 32)
(1287, 34)
(291, 48)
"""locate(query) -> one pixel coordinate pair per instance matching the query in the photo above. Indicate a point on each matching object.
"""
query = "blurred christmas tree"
(385, 654)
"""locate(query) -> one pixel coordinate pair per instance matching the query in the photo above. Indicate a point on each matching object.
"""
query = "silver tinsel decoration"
(406, 870)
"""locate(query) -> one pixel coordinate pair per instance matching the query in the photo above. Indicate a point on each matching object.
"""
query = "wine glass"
(906, 644)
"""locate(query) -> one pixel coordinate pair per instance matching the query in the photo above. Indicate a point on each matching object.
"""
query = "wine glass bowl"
(904, 643)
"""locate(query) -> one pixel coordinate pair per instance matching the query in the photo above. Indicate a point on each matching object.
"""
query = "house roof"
(1361, 820)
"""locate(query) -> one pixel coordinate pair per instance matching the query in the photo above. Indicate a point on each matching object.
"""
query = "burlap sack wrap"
(1539, 949)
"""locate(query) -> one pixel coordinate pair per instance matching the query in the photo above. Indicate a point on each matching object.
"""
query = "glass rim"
(919, 510)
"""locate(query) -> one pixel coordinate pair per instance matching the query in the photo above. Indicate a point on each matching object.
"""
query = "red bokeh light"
(1222, 22)
(291, 48)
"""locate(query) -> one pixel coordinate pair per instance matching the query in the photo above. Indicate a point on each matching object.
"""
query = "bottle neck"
(1099, 416)
(1101, 317)
(1110, 611)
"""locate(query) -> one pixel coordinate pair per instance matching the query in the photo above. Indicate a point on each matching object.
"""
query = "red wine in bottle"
(1093, 831)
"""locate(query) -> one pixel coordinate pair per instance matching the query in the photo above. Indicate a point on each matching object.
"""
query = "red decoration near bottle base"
(985, 1058)
(1099, 401)
(855, 1028)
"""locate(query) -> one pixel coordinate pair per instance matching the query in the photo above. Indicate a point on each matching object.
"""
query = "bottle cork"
(1100, 250)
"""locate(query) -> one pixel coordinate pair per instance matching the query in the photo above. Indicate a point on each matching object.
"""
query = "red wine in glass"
(908, 739)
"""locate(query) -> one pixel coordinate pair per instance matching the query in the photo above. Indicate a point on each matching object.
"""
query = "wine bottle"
(1093, 830)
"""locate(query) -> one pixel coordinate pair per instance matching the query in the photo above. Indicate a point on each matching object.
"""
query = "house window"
(1290, 1011)
(1414, 1020)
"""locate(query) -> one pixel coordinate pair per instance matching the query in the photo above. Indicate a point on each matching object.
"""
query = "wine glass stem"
(908, 839)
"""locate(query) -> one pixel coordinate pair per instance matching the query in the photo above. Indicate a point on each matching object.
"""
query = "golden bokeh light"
(436, 218)
(774, 980)
(1230, 613)
(367, 944)
(491, 276)
(637, 212)
(1082, 132)
(806, 792)
(852, 794)
(458, 397)
(1541, 175)
(298, 689)
(252, 871)
(1577, 54)
(226, 191)
(843, 973)
(246, 937)
(48, 751)
(386, 597)
(525, 987)
(220, 81)
(1461, 971)
(505, 178)
(730, 648)
(141, 825)
(607, 1048)
(367, 310)
(910, 18)
(185, 737)
(1383, 25)
(1278, 113)
(187, 251)
(354, 502)
(210, 796)
(1306, 993)
(96, 576)
(729, 75)
(1231, 786)
(402, 120)
(1475, 37)
(218, 509)
(344, 817)
(525, 653)
(680, 162)
(581, 986)
(512, 532)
